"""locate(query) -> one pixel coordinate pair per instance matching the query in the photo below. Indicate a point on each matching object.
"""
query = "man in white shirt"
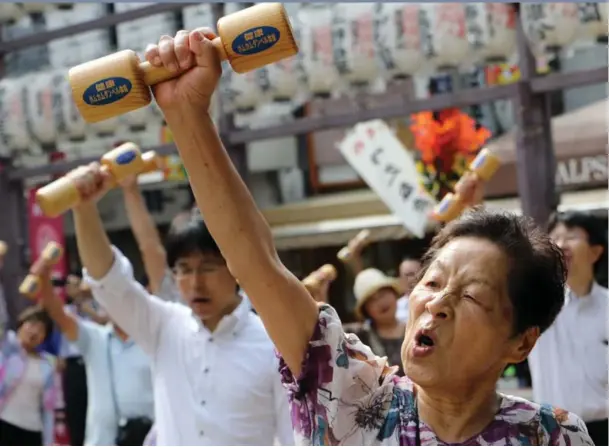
(216, 379)
(569, 362)
(408, 270)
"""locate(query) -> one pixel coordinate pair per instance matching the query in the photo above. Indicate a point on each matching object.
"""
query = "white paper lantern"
(398, 38)
(549, 26)
(43, 107)
(75, 125)
(105, 128)
(491, 29)
(593, 19)
(316, 48)
(443, 35)
(13, 120)
(10, 12)
(353, 42)
(284, 81)
(35, 7)
(241, 92)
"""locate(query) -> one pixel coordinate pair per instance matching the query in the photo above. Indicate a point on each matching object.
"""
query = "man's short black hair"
(36, 314)
(410, 257)
(537, 273)
(591, 224)
(188, 237)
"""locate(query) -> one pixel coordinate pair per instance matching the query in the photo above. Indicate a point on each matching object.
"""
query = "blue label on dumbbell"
(106, 91)
(478, 161)
(126, 157)
(255, 40)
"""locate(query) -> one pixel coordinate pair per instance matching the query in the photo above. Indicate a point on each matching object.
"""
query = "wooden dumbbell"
(326, 273)
(63, 194)
(451, 206)
(119, 83)
(51, 254)
(360, 241)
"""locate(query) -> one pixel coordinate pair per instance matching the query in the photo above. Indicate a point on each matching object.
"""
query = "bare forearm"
(146, 235)
(242, 234)
(93, 244)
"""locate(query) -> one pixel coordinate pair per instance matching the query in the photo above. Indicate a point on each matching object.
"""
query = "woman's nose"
(439, 306)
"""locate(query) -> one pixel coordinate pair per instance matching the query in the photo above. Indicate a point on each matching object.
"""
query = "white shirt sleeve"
(129, 305)
(284, 433)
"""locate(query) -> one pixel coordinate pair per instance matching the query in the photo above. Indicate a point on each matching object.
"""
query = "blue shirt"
(53, 343)
(115, 368)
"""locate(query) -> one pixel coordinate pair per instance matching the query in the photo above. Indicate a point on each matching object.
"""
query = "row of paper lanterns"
(344, 47)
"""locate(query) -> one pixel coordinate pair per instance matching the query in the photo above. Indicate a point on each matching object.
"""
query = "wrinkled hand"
(91, 181)
(192, 53)
(471, 189)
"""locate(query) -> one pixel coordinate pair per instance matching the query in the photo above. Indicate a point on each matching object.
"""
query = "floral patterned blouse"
(346, 395)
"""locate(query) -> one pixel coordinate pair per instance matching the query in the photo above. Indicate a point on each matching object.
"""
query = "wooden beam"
(535, 160)
(563, 81)
(461, 98)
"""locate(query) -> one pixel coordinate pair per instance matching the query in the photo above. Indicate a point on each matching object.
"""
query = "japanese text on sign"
(255, 39)
(389, 169)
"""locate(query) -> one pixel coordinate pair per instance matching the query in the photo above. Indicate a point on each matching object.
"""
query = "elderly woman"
(491, 284)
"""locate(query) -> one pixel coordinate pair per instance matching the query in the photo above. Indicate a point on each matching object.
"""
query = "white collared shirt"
(569, 362)
(403, 311)
(220, 388)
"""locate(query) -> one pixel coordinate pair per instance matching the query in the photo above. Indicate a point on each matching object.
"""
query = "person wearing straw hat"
(376, 296)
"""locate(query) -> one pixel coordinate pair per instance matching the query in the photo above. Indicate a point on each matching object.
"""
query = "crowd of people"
(224, 346)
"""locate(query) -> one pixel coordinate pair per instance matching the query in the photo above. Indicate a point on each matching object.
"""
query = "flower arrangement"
(446, 141)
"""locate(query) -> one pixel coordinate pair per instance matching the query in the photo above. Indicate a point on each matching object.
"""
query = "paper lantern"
(398, 39)
(549, 26)
(13, 123)
(491, 30)
(44, 107)
(444, 39)
(353, 42)
(283, 81)
(75, 125)
(10, 12)
(593, 19)
(241, 92)
(316, 48)
(35, 7)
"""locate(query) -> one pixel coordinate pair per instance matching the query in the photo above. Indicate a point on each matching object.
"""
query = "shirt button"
(203, 402)
(201, 433)
(206, 370)
(211, 339)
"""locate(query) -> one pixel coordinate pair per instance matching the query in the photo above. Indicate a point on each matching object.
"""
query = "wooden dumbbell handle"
(154, 75)
(30, 286)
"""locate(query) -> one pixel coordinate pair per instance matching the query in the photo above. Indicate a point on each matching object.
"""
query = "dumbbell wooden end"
(360, 240)
(51, 254)
(448, 209)
(119, 83)
(485, 165)
(57, 197)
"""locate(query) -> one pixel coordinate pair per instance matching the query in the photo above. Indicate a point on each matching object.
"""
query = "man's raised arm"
(244, 237)
(108, 272)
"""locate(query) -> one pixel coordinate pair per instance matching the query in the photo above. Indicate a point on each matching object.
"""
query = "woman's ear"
(522, 345)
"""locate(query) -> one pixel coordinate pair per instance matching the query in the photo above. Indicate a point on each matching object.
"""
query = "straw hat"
(367, 283)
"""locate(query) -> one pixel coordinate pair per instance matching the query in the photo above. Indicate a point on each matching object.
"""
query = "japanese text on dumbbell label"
(107, 91)
(255, 40)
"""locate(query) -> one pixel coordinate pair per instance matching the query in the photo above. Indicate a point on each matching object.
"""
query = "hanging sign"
(377, 155)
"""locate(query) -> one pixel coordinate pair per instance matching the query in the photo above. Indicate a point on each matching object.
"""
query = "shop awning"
(334, 219)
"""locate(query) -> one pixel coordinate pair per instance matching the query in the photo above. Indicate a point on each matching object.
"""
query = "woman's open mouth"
(424, 343)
